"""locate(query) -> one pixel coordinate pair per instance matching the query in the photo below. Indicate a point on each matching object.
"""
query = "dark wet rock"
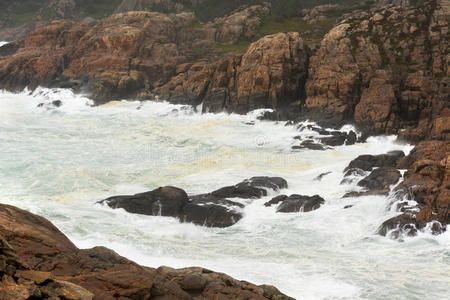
(311, 145)
(297, 203)
(204, 199)
(193, 282)
(163, 201)
(335, 140)
(205, 210)
(355, 194)
(354, 172)
(11, 48)
(212, 209)
(381, 179)
(352, 175)
(368, 162)
(363, 138)
(351, 138)
(210, 215)
(348, 206)
(276, 200)
(40, 105)
(397, 226)
(321, 176)
(57, 103)
(253, 188)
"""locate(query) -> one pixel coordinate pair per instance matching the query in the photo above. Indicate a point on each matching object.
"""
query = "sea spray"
(58, 161)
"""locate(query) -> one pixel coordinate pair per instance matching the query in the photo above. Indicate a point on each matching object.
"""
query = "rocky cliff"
(125, 55)
(270, 74)
(386, 71)
(39, 262)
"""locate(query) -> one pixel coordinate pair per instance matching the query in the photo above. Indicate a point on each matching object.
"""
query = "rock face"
(212, 209)
(99, 272)
(270, 74)
(381, 179)
(21, 283)
(319, 13)
(368, 162)
(296, 203)
(385, 71)
(242, 23)
(427, 181)
(125, 55)
(383, 173)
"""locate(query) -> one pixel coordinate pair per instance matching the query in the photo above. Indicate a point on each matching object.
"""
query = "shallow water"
(57, 162)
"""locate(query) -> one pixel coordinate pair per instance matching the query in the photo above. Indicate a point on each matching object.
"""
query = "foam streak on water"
(58, 161)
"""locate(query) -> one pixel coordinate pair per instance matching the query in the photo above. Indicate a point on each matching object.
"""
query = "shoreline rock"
(212, 210)
(57, 267)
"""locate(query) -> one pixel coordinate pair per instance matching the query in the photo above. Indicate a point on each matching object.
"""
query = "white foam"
(57, 162)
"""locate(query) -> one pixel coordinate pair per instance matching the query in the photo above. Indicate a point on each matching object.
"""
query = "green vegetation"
(15, 13)
(311, 33)
(239, 47)
(95, 9)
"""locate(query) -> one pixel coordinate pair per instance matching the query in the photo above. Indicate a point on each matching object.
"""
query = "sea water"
(57, 161)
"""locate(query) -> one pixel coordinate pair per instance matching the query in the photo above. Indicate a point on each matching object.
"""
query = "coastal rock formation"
(77, 274)
(213, 209)
(296, 203)
(368, 162)
(427, 182)
(270, 74)
(386, 71)
(319, 13)
(21, 283)
(125, 55)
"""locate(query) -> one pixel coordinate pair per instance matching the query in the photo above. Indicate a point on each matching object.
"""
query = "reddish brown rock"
(270, 74)
(428, 181)
(40, 246)
(387, 71)
(124, 56)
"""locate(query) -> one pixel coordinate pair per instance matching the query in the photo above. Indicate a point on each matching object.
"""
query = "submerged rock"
(380, 180)
(253, 188)
(368, 162)
(210, 215)
(321, 176)
(311, 145)
(296, 203)
(163, 201)
(397, 226)
(212, 209)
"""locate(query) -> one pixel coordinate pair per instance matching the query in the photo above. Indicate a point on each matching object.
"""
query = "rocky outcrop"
(368, 162)
(242, 23)
(383, 173)
(270, 74)
(427, 182)
(319, 13)
(77, 274)
(386, 71)
(296, 203)
(21, 283)
(133, 54)
(380, 180)
(213, 209)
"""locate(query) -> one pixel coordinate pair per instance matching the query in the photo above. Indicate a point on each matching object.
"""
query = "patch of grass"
(239, 47)
(95, 9)
(310, 33)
